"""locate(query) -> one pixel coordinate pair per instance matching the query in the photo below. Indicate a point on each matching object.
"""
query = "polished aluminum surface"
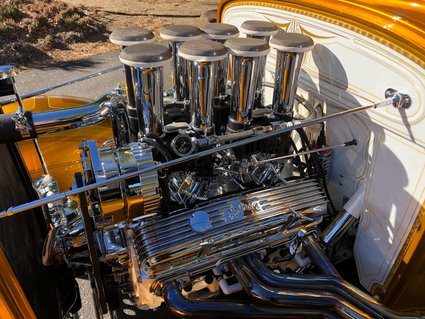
(200, 222)
(40, 202)
(45, 186)
(262, 68)
(339, 226)
(203, 79)
(170, 247)
(319, 283)
(179, 84)
(244, 75)
(287, 73)
(133, 119)
(7, 72)
(113, 246)
(148, 99)
(300, 297)
(136, 196)
(130, 107)
(72, 118)
(223, 75)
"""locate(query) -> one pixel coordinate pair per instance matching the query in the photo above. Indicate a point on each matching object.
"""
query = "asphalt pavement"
(37, 79)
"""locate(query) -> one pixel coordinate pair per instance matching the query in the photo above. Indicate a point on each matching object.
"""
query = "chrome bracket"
(21, 122)
(399, 100)
(296, 245)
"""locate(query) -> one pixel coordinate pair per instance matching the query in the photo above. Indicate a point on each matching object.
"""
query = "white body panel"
(347, 69)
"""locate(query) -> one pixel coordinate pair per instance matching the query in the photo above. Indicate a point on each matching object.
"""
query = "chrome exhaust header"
(212, 309)
(336, 293)
(287, 295)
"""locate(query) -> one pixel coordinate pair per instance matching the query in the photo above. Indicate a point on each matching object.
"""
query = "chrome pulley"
(127, 199)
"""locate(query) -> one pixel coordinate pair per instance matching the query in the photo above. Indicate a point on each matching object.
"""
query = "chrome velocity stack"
(221, 32)
(176, 35)
(259, 30)
(290, 51)
(202, 58)
(124, 38)
(245, 55)
(146, 62)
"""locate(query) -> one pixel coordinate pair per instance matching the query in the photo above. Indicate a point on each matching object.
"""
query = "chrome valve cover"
(187, 243)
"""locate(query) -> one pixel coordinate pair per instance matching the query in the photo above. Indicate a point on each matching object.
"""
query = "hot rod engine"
(185, 222)
(212, 197)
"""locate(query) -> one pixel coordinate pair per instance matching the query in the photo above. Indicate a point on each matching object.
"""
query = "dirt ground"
(111, 15)
(150, 14)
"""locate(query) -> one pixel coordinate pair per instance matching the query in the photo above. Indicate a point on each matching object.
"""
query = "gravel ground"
(150, 14)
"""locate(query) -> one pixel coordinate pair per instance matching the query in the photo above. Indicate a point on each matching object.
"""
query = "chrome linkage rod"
(316, 150)
(397, 100)
(57, 86)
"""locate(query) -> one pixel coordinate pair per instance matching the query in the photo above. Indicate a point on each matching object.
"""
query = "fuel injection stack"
(217, 74)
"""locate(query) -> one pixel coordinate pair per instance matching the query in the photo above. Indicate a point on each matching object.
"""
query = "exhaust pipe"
(349, 215)
(290, 297)
(212, 309)
(323, 283)
(343, 293)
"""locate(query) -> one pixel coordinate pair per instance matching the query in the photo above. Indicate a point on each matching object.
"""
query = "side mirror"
(7, 72)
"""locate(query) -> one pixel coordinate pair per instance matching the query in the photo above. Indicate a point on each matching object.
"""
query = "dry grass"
(31, 30)
(36, 33)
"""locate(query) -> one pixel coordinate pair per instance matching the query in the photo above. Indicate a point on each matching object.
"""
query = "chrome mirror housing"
(7, 72)
(8, 87)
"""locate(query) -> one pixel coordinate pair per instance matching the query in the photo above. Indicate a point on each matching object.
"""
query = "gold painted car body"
(398, 24)
(13, 302)
(60, 150)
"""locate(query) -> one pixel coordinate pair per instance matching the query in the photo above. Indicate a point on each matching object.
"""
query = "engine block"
(190, 242)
